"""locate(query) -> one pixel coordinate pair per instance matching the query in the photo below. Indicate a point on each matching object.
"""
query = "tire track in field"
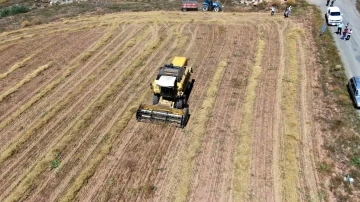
(100, 64)
(104, 150)
(39, 166)
(146, 169)
(242, 158)
(278, 128)
(209, 167)
(187, 156)
(128, 147)
(201, 71)
(78, 62)
(49, 87)
(307, 159)
(261, 187)
(205, 164)
(97, 124)
(21, 35)
(20, 98)
(57, 48)
(226, 144)
(134, 138)
(24, 81)
(32, 101)
(9, 54)
(90, 192)
(198, 66)
(18, 65)
(62, 91)
(63, 123)
(198, 58)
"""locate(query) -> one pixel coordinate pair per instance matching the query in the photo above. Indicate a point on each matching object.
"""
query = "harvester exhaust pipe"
(161, 113)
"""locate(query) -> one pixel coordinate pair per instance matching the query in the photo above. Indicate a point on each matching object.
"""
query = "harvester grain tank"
(170, 90)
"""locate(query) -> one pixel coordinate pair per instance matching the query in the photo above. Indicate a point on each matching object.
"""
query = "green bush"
(13, 10)
(55, 163)
(355, 161)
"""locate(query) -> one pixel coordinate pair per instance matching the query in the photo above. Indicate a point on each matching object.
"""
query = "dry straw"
(43, 164)
(27, 79)
(16, 66)
(198, 132)
(48, 88)
(242, 159)
(291, 126)
(105, 148)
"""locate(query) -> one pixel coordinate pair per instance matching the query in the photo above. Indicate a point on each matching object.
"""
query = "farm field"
(69, 91)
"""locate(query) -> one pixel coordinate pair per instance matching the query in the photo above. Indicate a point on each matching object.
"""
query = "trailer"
(189, 5)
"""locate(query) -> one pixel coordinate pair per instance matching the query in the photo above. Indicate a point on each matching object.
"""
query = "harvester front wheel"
(156, 99)
(216, 9)
(205, 8)
(179, 104)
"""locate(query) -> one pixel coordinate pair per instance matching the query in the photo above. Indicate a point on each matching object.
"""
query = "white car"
(333, 15)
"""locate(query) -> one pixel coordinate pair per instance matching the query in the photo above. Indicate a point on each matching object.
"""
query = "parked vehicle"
(333, 16)
(189, 5)
(354, 90)
(209, 5)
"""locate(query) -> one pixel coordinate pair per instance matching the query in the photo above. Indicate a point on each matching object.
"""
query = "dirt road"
(349, 50)
(68, 102)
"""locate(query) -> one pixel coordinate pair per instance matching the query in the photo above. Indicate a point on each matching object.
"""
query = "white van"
(333, 16)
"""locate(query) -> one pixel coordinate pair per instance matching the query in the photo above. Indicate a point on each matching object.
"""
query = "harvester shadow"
(188, 92)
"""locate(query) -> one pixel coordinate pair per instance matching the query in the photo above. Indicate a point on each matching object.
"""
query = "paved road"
(349, 50)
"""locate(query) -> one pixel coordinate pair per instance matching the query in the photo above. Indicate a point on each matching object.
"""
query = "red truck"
(189, 5)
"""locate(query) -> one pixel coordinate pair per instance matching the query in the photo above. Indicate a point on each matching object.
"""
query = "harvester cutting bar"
(161, 113)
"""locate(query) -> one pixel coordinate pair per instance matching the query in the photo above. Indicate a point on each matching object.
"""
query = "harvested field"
(69, 91)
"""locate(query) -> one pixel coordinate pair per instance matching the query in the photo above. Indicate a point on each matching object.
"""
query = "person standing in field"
(286, 12)
(340, 26)
(272, 10)
(347, 25)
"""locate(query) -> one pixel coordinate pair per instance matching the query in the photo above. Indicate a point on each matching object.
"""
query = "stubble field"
(69, 91)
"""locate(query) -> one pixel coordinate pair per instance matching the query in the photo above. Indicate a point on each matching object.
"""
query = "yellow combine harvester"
(170, 89)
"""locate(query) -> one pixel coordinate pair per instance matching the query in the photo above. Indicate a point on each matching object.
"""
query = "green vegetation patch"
(13, 10)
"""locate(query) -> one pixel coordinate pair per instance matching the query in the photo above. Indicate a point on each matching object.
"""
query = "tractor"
(209, 5)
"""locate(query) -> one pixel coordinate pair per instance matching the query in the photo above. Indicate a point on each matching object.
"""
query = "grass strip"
(16, 66)
(291, 132)
(198, 133)
(242, 159)
(27, 79)
(44, 91)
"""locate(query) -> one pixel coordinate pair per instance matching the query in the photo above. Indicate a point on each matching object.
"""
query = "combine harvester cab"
(171, 88)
